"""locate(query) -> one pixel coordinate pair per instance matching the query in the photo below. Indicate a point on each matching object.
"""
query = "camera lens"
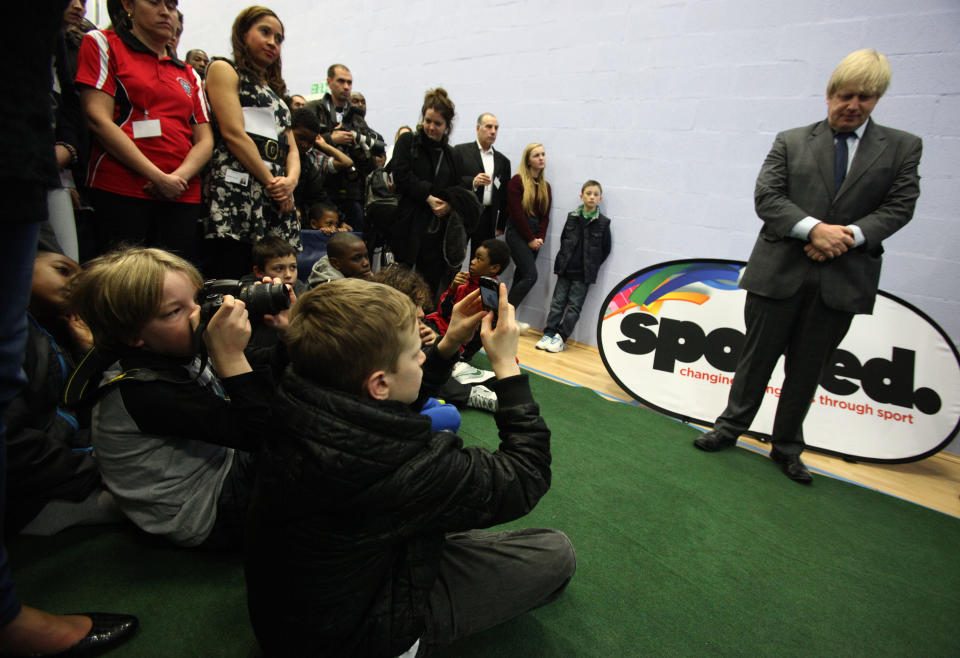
(265, 299)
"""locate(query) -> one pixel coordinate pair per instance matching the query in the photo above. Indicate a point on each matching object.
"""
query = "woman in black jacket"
(423, 165)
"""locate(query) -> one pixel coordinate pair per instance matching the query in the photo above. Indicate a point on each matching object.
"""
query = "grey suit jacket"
(470, 164)
(796, 181)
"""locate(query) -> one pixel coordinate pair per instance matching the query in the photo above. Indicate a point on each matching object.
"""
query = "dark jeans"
(233, 503)
(128, 220)
(568, 296)
(487, 578)
(525, 260)
(807, 332)
(18, 248)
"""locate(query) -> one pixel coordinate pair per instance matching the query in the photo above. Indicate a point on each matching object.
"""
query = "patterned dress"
(240, 207)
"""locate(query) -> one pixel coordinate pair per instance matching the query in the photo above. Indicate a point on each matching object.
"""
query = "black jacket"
(48, 455)
(346, 184)
(418, 175)
(352, 504)
(470, 164)
(592, 236)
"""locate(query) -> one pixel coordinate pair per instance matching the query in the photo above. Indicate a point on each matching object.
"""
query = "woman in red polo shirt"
(149, 117)
(255, 165)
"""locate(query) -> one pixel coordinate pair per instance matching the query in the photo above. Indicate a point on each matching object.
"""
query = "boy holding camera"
(361, 539)
(174, 434)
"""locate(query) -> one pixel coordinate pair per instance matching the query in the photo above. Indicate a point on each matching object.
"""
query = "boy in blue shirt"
(584, 245)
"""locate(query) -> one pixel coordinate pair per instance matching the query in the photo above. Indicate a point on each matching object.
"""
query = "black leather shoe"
(109, 630)
(713, 441)
(792, 467)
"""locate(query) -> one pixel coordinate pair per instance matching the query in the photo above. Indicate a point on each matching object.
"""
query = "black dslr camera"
(260, 299)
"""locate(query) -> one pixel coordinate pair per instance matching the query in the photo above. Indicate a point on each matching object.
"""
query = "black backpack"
(379, 201)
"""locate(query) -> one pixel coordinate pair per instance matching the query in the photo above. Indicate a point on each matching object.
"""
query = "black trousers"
(169, 225)
(486, 229)
(807, 332)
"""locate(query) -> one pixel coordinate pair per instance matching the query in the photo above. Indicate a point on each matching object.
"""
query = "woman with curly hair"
(255, 165)
(424, 167)
(528, 208)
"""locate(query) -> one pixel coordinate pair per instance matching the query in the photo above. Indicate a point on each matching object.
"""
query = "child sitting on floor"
(584, 245)
(325, 217)
(457, 390)
(346, 258)
(174, 434)
(491, 258)
(360, 531)
(323, 220)
(273, 258)
(52, 478)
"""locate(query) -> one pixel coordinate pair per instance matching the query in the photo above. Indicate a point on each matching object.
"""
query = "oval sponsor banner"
(671, 334)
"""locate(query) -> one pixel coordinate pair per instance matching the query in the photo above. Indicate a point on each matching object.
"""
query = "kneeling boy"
(348, 545)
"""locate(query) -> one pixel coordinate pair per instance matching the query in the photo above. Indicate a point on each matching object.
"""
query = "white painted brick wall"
(671, 105)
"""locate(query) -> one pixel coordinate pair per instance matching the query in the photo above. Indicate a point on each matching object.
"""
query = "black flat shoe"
(109, 630)
(792, 467)
(713, 441)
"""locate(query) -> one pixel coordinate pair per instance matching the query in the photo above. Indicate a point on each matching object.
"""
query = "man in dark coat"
(486, 172)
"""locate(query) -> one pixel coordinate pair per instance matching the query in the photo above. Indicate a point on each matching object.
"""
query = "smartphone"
(489, 293)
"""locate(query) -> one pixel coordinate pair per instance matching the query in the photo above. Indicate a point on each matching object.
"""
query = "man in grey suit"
(828, 195)
(487, 172)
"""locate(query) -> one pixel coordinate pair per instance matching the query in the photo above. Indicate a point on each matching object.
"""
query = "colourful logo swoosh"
(691, 282)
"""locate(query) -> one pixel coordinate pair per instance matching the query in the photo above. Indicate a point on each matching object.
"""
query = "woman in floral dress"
(255, 164)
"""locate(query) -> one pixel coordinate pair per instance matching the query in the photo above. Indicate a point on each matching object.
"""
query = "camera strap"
(95, 362)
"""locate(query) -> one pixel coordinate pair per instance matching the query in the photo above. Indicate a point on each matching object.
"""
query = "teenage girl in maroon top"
(528, 208)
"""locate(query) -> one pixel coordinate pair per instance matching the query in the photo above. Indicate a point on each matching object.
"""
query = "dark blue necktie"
(841, 155)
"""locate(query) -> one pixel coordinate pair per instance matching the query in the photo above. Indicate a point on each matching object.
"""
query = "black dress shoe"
(713, 441)
(792, 467)
(109, 630)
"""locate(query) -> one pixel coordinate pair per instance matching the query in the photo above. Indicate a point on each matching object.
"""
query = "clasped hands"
(280, 189)
(440, 207)
(828, 241)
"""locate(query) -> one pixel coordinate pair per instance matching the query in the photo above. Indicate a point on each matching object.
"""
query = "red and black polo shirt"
(143, 87)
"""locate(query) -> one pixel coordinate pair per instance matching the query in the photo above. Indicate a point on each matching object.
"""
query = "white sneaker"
(483, 398)
(465, 373)
(524, 326)
(557, 344)
(543, 342)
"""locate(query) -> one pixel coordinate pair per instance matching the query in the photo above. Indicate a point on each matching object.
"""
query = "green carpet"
(679, 552)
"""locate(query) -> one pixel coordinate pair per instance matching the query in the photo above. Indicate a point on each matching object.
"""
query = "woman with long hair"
(149, 120)
(528, 208)
(423, 166)
(255, 165)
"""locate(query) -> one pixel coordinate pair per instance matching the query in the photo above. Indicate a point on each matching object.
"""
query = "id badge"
(146, 128)
(241, 178)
